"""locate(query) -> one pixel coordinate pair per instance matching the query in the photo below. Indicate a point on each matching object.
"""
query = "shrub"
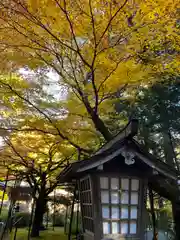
(23, 222)
(4, 215)
(74, 224)
(24, 219)
(58, 219)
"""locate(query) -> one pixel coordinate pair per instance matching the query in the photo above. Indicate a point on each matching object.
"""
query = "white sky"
(54, 87)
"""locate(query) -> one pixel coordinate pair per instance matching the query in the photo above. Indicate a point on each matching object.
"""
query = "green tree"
(158, 110)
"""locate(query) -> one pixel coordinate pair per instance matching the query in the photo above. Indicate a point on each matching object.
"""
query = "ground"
(57, 234)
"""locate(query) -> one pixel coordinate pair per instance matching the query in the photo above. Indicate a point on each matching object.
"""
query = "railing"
(16, 228)
(6, 231)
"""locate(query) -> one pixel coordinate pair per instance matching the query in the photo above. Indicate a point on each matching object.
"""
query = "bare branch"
(34, 129)
(64, 10)
(15, 151)
(93, 23)
(111, 19)
(114, 95)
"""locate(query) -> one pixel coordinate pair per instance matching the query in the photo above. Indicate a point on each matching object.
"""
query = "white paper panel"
(104, 196)
(104, 182)
(133, 214)
(114, 183)
(115, 212)
(125, 184)
(115, 227)
(124, 213)
(115, 197)
(134, 197)
(135, 184)
(133, 227)
(106, 228)
(125, 197)
(105, 211)
(124, 227)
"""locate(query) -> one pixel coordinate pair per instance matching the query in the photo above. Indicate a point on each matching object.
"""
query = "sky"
(54, 87)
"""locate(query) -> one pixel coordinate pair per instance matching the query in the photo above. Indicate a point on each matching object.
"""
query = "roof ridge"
(156, 158)
(130, 130)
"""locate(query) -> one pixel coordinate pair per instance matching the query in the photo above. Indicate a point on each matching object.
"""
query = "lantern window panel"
(134, 184)
(119, 201)
(124, 212)
(124, 227)
(106, 227)
(124, 197)
(134, 198)
(115, 212)
(133, 227)
(125, 184)
(105, 212)
(104, 183)
(134, 212)
(115, 198)
(105, 196)
(115, 183)
(115, 227)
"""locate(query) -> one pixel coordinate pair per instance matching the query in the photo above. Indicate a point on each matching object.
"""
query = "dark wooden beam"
(129, 131)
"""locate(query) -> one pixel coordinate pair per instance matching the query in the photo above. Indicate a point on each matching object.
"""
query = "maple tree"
(37, 159)
(96, 48)
(34, 146)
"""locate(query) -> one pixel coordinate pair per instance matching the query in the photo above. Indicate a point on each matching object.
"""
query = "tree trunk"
(38, 216)
(168, 148)
(98, 122)
(171, 160)
(100, 126)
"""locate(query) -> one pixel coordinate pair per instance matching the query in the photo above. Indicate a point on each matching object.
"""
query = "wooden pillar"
(96, 208)
(72, 212)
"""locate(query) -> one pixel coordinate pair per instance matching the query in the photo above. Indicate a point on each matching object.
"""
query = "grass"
(57, 234)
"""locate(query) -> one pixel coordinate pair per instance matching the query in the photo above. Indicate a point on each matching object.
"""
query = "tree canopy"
(95, 47)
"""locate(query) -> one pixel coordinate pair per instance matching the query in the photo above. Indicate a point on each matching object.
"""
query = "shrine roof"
(123, 141)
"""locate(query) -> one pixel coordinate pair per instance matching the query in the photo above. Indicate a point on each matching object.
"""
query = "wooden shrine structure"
(113, 185)
(19, 193)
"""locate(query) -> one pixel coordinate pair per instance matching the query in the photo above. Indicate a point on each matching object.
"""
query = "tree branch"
(110, 21)
(45, 115)
(64, 10)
